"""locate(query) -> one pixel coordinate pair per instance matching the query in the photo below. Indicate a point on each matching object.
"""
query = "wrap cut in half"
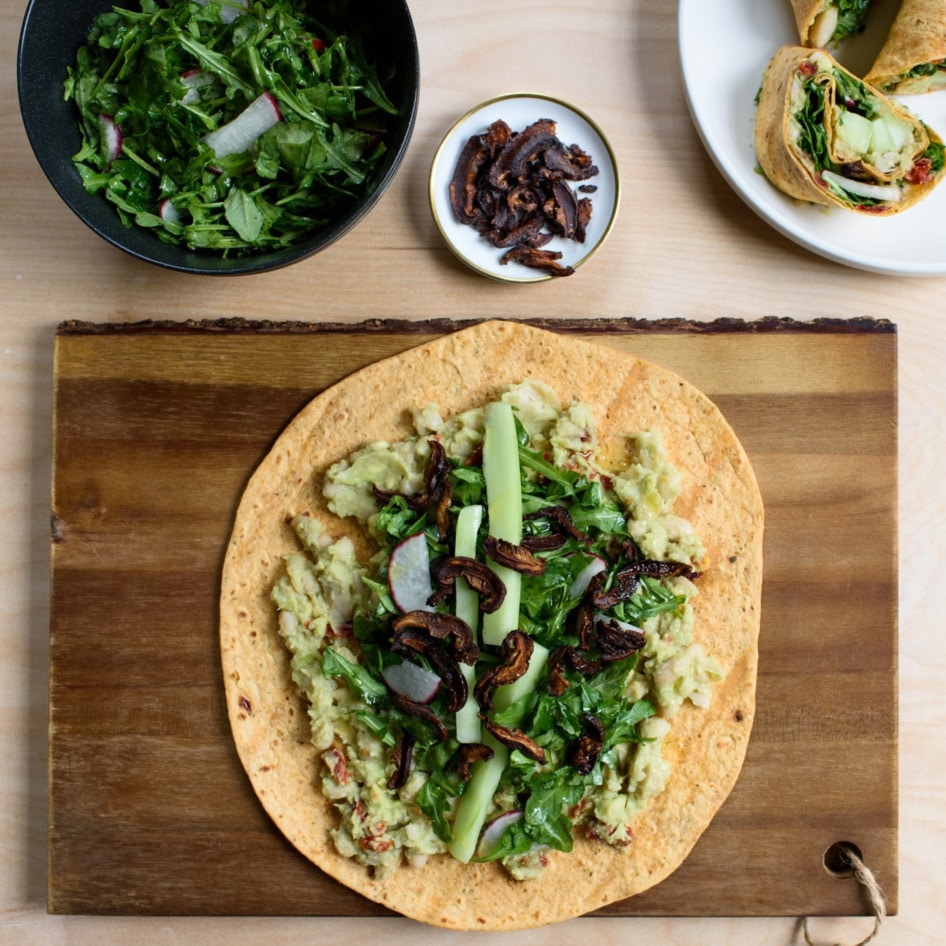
(827, 22)
(913, 57)
(823, 135)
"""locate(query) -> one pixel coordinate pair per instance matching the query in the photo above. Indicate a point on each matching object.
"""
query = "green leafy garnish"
(852, 16)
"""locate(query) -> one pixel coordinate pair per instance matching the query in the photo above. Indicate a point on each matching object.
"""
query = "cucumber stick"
(504, 510)
(475, 801)
(467, 608)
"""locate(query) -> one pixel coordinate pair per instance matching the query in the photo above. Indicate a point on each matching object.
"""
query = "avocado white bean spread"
(570, 667)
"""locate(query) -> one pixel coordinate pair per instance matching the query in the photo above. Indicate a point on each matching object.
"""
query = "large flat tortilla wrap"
(793, 171)
(917, 37)
(706, 747)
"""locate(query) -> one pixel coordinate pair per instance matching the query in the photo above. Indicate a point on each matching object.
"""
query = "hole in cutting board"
(836, 860)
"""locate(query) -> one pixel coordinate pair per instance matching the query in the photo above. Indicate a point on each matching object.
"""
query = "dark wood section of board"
(157, 428)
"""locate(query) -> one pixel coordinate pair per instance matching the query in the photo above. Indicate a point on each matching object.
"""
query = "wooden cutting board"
(158, 427)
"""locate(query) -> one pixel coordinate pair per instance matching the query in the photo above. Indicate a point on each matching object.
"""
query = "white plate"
(724, 48)
(518, 111)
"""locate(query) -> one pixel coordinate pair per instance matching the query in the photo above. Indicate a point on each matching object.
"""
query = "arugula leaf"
(435, 800)
(243, 215)
(546, 817)
(359, 680)
(852, 15)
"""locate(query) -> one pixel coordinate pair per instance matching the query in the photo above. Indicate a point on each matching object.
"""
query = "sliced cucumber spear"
(467, 609)
(504, 505)
(504, 508)
(476, 799)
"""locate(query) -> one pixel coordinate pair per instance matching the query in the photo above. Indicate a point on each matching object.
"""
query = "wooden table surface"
(684, 246)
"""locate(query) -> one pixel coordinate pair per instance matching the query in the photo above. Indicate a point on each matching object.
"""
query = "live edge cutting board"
(158, 427)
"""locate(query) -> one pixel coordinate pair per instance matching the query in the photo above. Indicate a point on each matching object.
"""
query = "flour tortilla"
(917, 37)
(793, 171)
(705, 748)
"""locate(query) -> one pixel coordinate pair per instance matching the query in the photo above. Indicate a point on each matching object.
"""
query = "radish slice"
(494, 831)
(111, 136)
(412, 681)
(168, 212)
(239, 134)
(409, 574)
(583, 578)
(860, 189)
(229, 9)
(194, 80)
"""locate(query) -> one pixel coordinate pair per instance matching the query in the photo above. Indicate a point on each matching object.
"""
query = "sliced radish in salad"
(860, 189)
(583, 578)
(168, 212)
(229, 9)
(111, 136)
(412, 681)
(194, 80)
(494, 830)
(409, 574)
(239, 134)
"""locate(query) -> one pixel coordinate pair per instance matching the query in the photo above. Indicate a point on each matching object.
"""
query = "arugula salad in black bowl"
(219, 136)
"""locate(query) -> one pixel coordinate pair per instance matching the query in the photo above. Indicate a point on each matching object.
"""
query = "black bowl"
(51, 35)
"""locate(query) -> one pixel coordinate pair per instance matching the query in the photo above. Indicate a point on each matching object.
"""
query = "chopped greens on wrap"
(827, 22)
(913, 57)
(600, 599)
(466, 638)
(823, 135)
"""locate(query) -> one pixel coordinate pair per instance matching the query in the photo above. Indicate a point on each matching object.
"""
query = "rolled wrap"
(894, 180)
(821, 22)
(916, 44)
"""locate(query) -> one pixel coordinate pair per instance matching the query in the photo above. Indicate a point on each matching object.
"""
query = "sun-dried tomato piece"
(516, 557)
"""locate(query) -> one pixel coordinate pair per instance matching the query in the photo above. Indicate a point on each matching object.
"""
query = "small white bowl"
(519, 110)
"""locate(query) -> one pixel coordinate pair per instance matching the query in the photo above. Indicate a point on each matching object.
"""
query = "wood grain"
(157, 429)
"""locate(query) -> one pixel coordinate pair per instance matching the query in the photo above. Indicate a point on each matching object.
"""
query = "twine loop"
(848, 854)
